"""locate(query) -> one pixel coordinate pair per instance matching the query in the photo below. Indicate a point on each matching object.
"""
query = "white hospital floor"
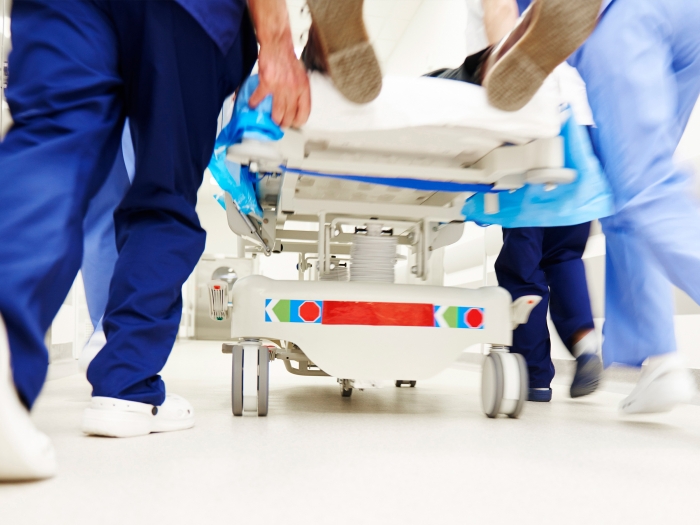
(389, 456)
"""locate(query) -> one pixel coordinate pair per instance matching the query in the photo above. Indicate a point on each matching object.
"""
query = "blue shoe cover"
(589, 367)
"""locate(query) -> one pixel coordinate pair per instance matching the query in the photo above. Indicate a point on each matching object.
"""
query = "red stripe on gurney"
(377, 314)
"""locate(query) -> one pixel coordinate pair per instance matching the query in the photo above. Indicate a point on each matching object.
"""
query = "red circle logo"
(309, 311)
(474, 318)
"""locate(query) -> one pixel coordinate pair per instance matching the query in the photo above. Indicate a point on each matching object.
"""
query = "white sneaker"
(111, 417)
(663, 385)
(25, 453)
(92, 348)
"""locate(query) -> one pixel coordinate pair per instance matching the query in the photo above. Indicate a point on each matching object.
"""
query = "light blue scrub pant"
(99, 238)
(642, 71)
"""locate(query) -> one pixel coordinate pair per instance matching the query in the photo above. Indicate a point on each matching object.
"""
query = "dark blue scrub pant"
(546, 262)
(76, 71)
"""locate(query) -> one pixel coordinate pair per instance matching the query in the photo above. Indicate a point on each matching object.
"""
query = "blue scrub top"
(523, 4)
(221, 19)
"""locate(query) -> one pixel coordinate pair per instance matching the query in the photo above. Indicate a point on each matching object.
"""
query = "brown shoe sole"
(352, 63)
(558, 29)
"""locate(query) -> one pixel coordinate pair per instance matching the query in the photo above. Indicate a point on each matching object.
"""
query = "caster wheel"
(504, 382)
(250, 379)
(346, 392)
(401, 382)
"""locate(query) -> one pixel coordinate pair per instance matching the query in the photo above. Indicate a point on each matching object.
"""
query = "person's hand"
(283, 76)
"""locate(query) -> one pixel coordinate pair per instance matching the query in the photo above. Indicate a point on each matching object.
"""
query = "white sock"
(587, 345)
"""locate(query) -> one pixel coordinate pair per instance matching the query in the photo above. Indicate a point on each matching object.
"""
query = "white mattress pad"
(425, 117)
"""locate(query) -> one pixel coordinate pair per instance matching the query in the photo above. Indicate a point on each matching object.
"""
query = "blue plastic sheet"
(589, 197)
(246, 123)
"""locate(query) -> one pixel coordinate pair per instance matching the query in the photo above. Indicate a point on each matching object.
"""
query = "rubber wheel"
(263, 380)
(524, 382)
(492, 385)
(346, 392)
(413, 384)
(237, 381)
(398, 383)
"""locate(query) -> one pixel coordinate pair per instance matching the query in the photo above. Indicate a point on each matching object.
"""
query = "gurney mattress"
(426, 117)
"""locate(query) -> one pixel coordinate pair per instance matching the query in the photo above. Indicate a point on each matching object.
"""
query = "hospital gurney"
(392, 174)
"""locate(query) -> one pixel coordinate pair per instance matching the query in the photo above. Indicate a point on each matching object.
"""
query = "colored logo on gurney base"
(358, 313)
(286, 311)
(468, 317)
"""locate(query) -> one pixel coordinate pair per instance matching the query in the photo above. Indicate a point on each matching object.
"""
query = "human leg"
(656, 219)
(470, 71)
(53, 160)
(514, 69)
(100, 245)
(173, 113)
(61, 92)
(656, 232)
(569, 304)
(518, 271)
(546, 34)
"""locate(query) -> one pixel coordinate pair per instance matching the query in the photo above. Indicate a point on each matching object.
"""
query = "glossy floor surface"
(387, 456)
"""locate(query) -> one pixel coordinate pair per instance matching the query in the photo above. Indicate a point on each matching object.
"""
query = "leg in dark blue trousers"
(173, 124)
(569, 302)
(64, 98)
(546, 262)
(77, 69)
(518, 271)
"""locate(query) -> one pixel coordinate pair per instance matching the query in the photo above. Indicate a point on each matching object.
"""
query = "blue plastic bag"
(246, 123)
(589, 197)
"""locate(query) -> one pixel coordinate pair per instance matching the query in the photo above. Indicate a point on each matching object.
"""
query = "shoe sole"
(593, 368)
(109, 423)
(544, 397)
(558, 29)
(584, 390)
(352, 62)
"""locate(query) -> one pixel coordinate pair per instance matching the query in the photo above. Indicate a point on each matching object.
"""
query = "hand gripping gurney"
(400, 175)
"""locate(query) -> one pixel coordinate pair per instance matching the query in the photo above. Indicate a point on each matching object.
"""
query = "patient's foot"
(547, 33)
(338, 45)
